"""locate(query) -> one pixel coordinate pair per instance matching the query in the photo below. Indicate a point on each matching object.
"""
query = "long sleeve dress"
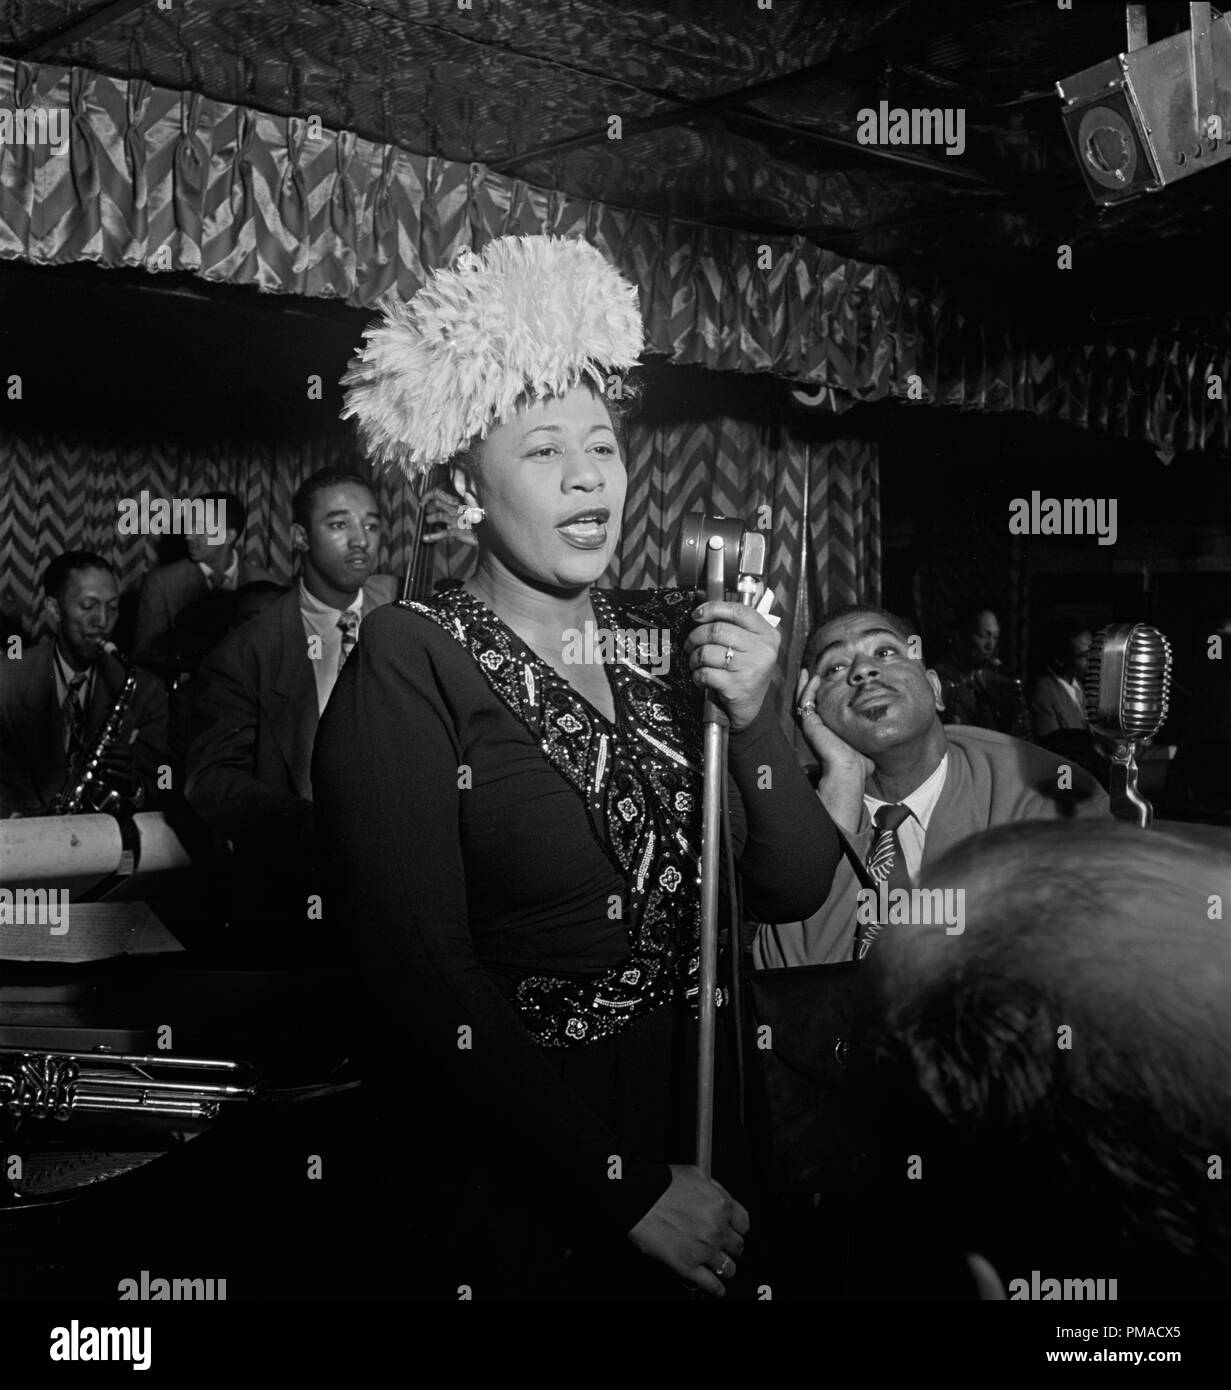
(520, 879)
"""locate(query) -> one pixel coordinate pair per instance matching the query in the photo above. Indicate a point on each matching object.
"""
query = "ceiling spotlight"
(1157, 112)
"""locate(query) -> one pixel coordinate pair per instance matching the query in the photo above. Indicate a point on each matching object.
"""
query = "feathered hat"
(529, 316)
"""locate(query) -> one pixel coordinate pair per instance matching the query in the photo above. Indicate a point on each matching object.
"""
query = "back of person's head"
(235, 512)
(1060, 1071)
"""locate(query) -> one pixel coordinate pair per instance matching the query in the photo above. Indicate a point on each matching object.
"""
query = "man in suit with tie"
(261, 694)
(1057, 700)
(56, 696)
(901, 786)
(214, 567)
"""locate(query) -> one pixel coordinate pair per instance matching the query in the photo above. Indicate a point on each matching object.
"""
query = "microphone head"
(696, 530)
(1128, 682)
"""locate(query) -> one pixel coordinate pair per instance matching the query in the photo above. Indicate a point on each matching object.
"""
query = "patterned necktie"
(74, 715)
(886, 863)
(349, 625)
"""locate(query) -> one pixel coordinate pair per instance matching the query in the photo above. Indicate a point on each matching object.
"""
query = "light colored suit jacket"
(992, 779)
(1052, 707)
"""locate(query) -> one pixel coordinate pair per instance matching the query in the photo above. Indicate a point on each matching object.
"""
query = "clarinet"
(86, 792)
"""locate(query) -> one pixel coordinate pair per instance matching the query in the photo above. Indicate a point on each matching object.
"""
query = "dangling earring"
(469, 517)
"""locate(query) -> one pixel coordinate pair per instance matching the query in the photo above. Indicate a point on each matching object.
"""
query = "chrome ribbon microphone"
(742, 554)
(1128, 692)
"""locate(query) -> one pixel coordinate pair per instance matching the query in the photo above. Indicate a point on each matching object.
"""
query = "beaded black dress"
(519, 877)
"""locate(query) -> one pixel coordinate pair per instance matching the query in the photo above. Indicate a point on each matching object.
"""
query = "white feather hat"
(528, 316)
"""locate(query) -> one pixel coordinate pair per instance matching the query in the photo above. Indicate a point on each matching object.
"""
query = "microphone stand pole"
(714, 770)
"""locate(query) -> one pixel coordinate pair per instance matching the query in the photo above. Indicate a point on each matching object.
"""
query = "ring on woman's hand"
(725, 1267)
(726, 661)
(807, 707)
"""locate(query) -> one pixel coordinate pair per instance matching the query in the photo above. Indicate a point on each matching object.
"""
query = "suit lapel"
(955, 815)
(291, 700)
(44, 742)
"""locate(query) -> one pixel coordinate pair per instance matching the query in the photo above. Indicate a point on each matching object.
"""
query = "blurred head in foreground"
(1047, 1096)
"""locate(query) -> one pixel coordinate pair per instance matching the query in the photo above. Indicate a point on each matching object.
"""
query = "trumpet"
(85, 791)
(41, 1084)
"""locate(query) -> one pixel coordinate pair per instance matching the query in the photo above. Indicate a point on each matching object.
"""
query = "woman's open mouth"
(586, 530)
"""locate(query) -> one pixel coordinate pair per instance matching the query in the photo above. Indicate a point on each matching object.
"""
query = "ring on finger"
(807, 707)
(725, 1267)
(726, 661)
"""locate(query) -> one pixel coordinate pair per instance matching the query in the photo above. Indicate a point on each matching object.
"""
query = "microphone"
(742, 555)
(1128, 692)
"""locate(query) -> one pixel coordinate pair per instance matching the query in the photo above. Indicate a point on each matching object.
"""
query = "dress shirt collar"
(64, 678)
(229, 577)
(922, 801)
(319, 614)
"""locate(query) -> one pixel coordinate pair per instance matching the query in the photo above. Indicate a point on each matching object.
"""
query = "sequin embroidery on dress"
(640, 782)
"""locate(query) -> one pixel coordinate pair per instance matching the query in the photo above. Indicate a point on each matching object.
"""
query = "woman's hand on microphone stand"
(733, 653)
(696, 1228)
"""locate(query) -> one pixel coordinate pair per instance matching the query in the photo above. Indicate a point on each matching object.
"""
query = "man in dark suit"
(214, 567)
(262, 691)
(55, 698)
(1056, 697)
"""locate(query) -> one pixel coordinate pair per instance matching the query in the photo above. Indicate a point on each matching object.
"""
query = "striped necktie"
(886, 863)
(349, 625)
(74, 715)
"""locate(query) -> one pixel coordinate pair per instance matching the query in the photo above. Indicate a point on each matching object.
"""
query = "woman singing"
(509, 779)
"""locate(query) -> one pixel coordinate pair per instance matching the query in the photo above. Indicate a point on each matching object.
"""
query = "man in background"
(212, 572)
(55, 698)
(975, 687)
(261, 694)
(901, 786)
(1057, 697)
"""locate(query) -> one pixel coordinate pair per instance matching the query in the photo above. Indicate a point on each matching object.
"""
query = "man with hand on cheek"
(900, 785)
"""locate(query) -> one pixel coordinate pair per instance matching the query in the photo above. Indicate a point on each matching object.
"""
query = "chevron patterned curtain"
(63, 494)
(167, 180)
(771, 479)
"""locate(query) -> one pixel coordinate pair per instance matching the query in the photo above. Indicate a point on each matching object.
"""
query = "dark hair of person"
(966, 616)
(1062, 1069)
(305, 494)
(1056, 638)
(236, 512)
(56, 575)
(902, 626)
